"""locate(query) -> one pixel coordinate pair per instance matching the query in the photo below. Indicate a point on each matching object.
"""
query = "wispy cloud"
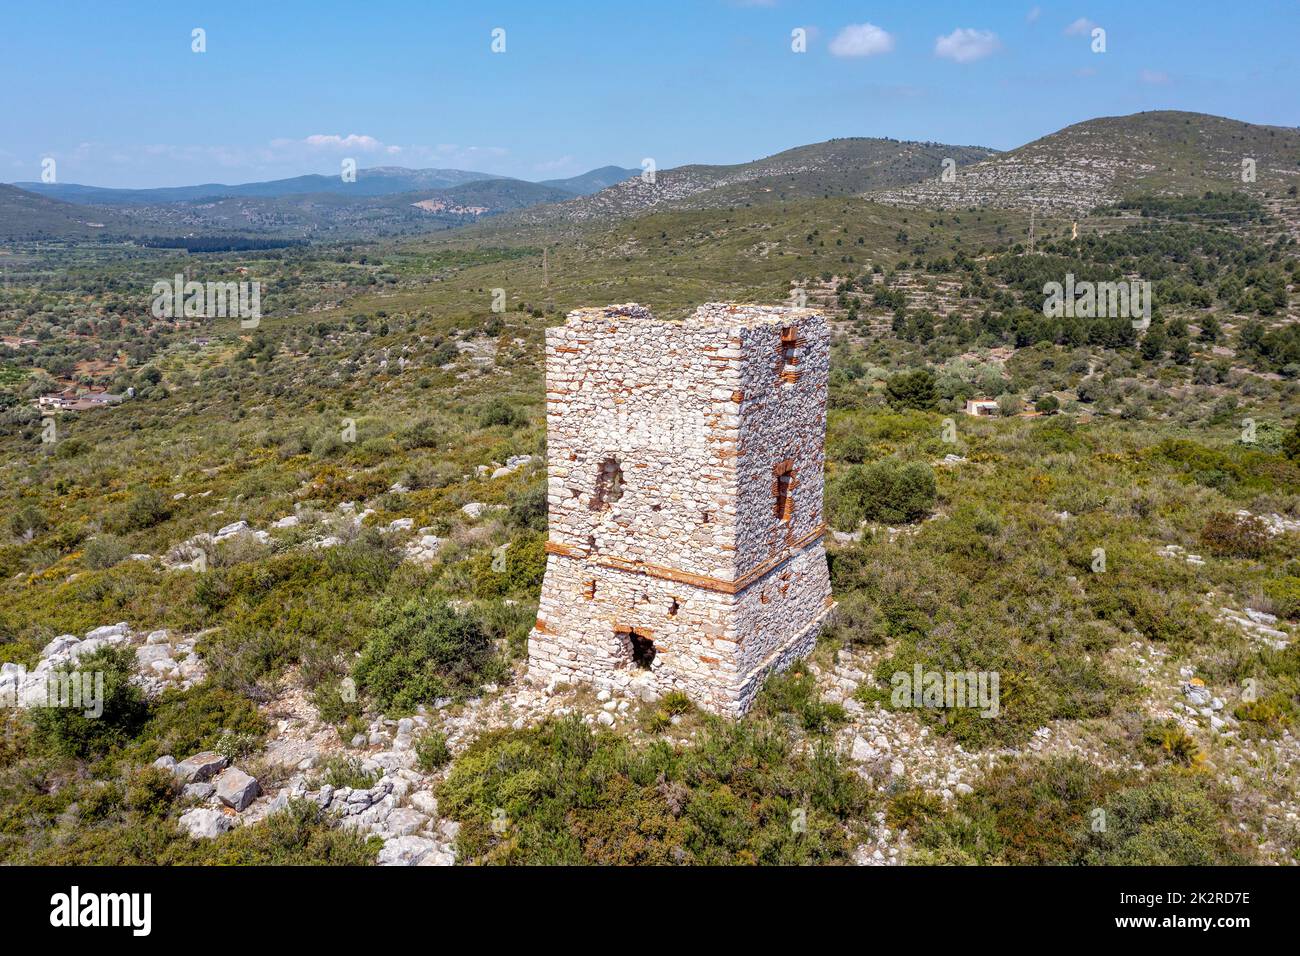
(365, 144)
(965, 45)
(1080, 27)
(1033, 14)
(861, 39)
(1154, 77)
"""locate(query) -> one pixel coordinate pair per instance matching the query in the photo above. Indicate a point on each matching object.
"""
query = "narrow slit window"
(589, 589)
(783, 489)
(790, 370)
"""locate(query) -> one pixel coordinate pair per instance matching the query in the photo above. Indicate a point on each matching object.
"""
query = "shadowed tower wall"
(685, 473)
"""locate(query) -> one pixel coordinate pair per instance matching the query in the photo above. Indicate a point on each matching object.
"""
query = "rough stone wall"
(784, 420)
(665, 440)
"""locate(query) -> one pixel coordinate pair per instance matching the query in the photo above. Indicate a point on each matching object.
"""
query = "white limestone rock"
(236, 789)
(205, 823)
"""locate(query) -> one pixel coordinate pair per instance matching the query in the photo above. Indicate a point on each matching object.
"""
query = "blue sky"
(114, 93)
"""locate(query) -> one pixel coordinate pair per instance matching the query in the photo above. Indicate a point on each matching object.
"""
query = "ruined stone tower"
(685, 466)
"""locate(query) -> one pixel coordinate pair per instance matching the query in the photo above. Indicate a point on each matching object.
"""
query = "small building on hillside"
(981, 407)
(69, 401)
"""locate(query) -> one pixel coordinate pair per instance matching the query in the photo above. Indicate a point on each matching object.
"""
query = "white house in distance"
(981, 407)
(70, 401)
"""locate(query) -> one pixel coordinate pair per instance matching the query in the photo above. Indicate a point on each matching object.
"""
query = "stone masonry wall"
(684, 490)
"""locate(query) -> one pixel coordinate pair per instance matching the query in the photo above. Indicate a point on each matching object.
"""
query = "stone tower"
(685, 465)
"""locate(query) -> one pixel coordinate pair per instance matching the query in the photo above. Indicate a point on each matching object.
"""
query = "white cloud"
(965, 45)
(1033, 14)
(352, 141)
(1080, 27)
(1154, 77)
(861, 39)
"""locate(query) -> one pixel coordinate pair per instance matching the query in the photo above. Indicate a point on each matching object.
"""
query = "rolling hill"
(592, 181)
(334, 216)
(374, 181)
(383, 201)
(25, 215)
(833, 168)
(1102, 160)
(377, 181)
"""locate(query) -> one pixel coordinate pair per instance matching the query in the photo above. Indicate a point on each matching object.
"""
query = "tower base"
(646, 631)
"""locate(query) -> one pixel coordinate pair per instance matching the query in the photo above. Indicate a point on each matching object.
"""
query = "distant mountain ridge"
(836, 167)
(1076, 169)
(373, 181)
(376, 181)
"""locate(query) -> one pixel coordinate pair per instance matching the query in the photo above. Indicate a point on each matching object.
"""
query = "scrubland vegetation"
(382, 378)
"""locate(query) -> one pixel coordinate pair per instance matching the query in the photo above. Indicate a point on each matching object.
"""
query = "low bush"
(73, 730)
(742, 794)
(887, 490)
(104, 551)
(1069, 811)
(1235, 536)
(424, 650)
(431, 751)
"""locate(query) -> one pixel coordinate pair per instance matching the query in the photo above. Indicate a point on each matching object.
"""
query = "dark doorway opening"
(643, 650)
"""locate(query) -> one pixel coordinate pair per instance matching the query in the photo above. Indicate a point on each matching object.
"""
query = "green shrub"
(151, 791)
(333, 704)
(1268, 716)
(425, 433)
(105, 551)
(794, 693)
(887, 490)
(676, 703)
(68, 731)
(858, 622)
(431, 751)
(528, 510)
(1172, 821)
(144, 509)
(742, 794)
(500, 412)
(1291, 443)
(1284, 592)
(341, 771)
(425, 650)
(914, 389)
(27, 521)
(186, 722)
(1066, 810)
(517, 570)
(302, 834)
(1167, 741)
